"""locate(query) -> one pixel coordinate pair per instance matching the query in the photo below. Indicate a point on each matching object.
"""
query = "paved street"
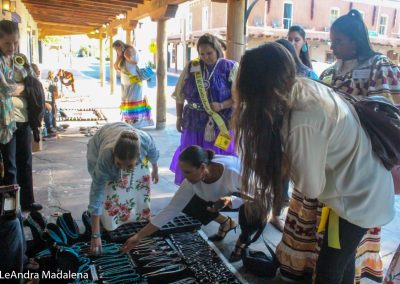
(62, 182)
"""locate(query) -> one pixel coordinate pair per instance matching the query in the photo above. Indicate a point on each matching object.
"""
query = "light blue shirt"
(100, 159)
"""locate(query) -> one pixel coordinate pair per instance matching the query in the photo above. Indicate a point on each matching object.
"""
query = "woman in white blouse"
(209, 184)
(311, 134)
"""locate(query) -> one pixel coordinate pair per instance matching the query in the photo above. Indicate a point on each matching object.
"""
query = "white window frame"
(190, 23)
(205, 18)
(385, 26)
(337, 9)
(362, 14)
(290, 20)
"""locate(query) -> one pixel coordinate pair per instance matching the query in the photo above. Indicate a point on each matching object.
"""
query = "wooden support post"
(176, 57)
(101, 61)
(235, 29)
(112, 71)
(128, 36)
(161, 73)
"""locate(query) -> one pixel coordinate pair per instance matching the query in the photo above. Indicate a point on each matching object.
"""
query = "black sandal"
(221, 233)
(237, 253)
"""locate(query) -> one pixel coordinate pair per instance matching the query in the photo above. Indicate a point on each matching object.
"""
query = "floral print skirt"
(127, 199)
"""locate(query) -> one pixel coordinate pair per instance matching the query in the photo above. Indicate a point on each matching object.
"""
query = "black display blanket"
(179, 258)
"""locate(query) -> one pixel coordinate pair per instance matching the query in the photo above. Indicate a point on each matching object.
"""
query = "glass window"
(287, 15)
(204, 22)
(335, 13)
(190, 23)
(383, 25)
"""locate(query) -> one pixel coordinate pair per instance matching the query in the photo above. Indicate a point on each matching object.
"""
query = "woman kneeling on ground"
(209, 185)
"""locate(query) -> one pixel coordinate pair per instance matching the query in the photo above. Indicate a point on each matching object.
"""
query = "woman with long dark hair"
(204, 101)
(297, 36)
(134, 105)
(287, 126)
(302, 71)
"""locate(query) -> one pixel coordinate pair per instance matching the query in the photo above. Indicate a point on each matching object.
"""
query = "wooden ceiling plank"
(41, 16)
(75, 21)
(108, 4)
(50, 8)
(80, 5)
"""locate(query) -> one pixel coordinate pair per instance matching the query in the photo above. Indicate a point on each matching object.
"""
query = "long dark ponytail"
(358, 32)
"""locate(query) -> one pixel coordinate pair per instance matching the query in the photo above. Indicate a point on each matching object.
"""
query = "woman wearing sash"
(204, 119)
(134, 106)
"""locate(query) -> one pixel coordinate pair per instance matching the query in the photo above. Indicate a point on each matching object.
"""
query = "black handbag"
(259, 263)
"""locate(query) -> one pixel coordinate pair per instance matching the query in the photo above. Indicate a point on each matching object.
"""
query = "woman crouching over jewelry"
(210, 181)
(118, 156)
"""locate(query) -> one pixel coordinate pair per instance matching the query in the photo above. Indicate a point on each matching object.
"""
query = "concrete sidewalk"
(61, 180)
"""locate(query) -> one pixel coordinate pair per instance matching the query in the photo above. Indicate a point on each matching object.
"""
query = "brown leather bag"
(381, 120)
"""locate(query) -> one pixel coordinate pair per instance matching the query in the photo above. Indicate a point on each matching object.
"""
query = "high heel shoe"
(221, 232)
(237, 253)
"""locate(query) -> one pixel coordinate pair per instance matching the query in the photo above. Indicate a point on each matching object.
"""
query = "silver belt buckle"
(194, 105)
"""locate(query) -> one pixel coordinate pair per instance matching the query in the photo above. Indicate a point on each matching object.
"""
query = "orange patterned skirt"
(300, 245)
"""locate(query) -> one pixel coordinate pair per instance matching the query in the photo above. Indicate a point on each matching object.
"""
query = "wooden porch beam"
(44, 23)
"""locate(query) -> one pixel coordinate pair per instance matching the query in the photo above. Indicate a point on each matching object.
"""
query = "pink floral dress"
(127, 199)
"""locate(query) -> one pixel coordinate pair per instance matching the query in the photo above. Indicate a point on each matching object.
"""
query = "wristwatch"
(96, 235)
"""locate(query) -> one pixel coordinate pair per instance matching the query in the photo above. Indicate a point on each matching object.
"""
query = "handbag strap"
(271, 251)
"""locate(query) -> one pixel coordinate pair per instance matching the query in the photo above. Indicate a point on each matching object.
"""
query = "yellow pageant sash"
(333, 227)
(224, 139)
(133, 79)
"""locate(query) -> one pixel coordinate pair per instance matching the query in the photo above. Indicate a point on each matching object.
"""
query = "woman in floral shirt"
(118, 156)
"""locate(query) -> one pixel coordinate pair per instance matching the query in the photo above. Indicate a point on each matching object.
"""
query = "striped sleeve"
(385, 80)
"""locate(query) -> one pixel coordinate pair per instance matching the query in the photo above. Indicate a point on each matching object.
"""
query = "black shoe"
(32, 207)
(237, 253)
(221, 232)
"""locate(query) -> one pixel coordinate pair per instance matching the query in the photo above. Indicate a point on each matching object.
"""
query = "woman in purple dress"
(195, 123)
